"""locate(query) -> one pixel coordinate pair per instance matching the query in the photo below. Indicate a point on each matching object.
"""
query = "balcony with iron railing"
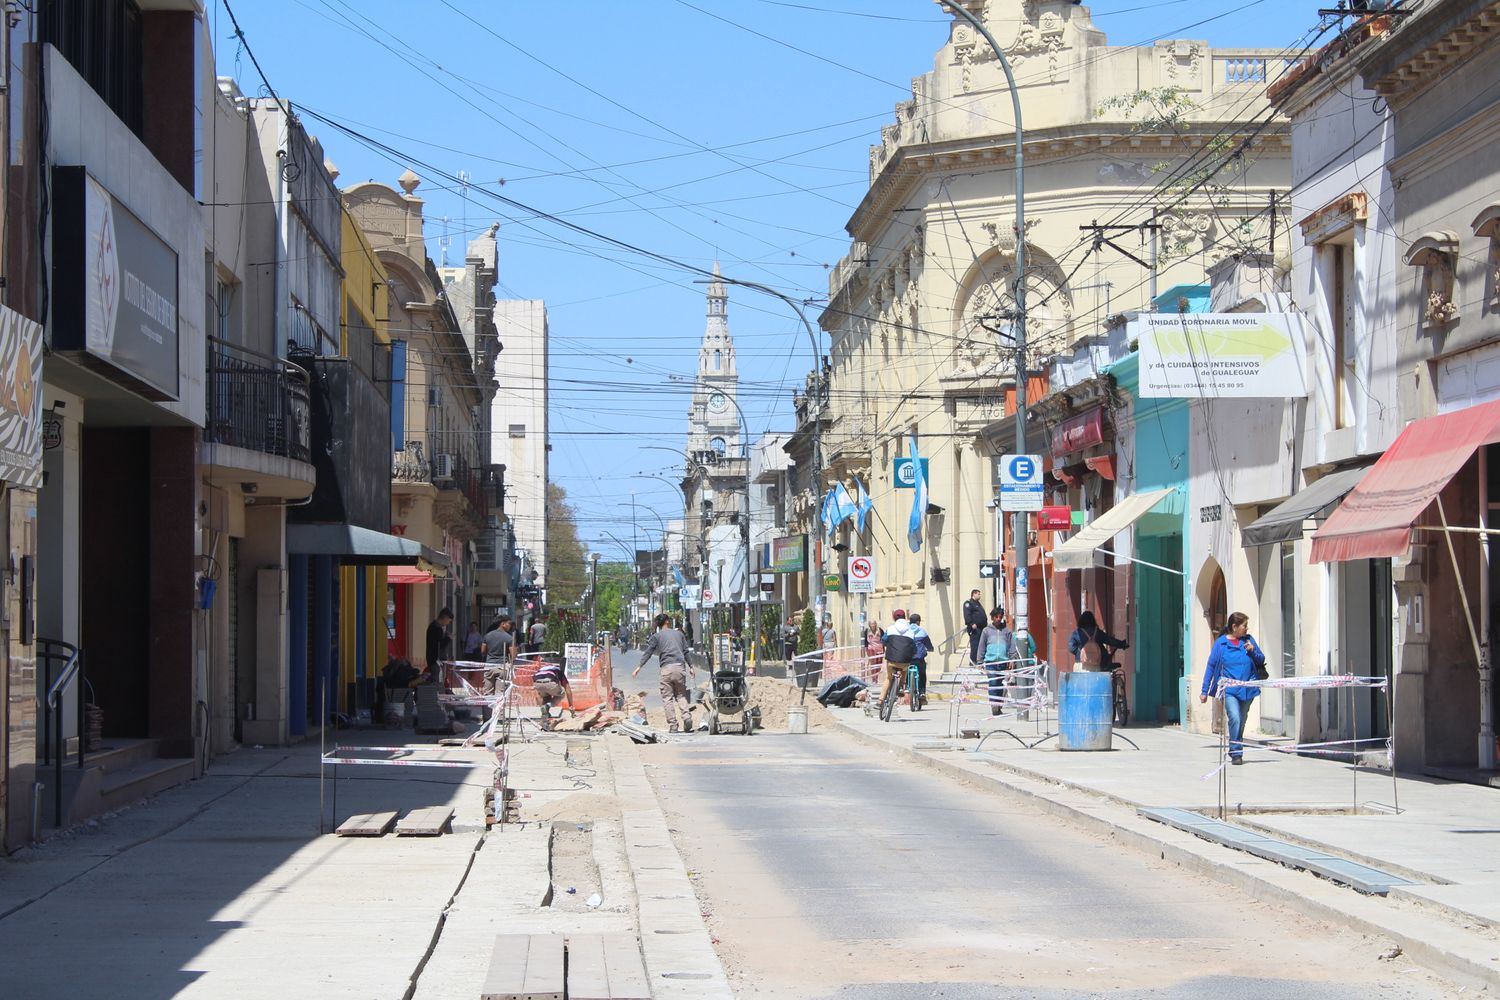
(258, 427)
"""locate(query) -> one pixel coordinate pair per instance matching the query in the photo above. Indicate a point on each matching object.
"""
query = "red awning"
(1078, 432)
(398, 575)
(1374, 521)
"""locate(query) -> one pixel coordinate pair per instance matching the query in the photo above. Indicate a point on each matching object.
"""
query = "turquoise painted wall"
(1160, 612)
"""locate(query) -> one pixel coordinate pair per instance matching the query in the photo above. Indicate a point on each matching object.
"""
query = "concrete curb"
(679, 951)
(1424, 934)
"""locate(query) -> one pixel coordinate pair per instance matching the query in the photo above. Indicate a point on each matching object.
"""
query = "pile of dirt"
(773, 697)
(580, 807)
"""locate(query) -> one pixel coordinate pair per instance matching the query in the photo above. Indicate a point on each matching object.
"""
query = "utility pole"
(1021, 526)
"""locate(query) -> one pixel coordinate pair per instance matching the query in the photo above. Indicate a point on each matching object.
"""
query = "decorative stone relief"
(1435, 253)
(1186, 233)
(1182, 65)
(988, 316)
(1441, 309)
(1002, 235)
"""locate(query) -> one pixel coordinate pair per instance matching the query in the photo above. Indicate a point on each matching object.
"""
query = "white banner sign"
(1220, 355)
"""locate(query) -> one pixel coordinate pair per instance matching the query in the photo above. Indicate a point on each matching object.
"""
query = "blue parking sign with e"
(1022, 468)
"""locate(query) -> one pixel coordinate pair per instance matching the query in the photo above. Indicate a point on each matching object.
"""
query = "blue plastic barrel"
(1085, 710)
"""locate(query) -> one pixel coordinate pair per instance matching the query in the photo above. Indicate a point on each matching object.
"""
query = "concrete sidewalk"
(225, 887)
(1445, 836)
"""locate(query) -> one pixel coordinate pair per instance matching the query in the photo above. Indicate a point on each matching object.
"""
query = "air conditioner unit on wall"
(442, 466)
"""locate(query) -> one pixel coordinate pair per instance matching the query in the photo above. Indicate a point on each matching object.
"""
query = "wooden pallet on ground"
(367, 825)
(429, 822)
(606, 967)
(525, 967)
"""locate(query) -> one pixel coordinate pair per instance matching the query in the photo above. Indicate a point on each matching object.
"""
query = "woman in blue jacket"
(1235, 655)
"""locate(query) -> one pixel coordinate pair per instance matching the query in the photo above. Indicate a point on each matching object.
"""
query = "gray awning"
(1283, 523)
(357, 546)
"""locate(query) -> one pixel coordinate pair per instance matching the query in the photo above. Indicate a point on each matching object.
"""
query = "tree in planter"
(807, 635)
(564, 627)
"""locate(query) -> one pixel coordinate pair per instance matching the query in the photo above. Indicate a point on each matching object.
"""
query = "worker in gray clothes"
(671, 648)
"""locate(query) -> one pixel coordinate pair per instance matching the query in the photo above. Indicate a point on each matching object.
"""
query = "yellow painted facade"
(362, 602)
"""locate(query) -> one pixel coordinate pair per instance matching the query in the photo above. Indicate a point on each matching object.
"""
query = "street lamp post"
(815, 583)
(745, 457)
(1020, 528)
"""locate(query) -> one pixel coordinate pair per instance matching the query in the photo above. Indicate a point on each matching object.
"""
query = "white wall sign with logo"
(21, 400)
(1220, 355)
(576, 658)
(688, 596)
(862, 575)
(119, 306)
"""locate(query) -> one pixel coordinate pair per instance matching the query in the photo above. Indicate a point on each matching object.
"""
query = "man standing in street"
(974, 624)
(439, 644)
(499, 651)
(995, 648)
(534, 637)
(789, 639)
(671, 649)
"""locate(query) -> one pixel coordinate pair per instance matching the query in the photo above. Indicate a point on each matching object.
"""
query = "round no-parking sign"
(862, 575)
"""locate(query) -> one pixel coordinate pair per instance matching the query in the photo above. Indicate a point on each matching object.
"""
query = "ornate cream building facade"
(1177, 134)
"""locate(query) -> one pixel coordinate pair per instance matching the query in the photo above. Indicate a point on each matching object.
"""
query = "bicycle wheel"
(913, 695)
(892, 695)
(1122, 707)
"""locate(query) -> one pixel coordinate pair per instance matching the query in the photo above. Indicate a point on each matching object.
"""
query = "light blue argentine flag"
(918, 499)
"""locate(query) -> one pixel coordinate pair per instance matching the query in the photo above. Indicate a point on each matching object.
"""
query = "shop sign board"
(1221, 355)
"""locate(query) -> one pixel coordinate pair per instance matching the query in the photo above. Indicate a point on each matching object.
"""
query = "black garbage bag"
(840, 692)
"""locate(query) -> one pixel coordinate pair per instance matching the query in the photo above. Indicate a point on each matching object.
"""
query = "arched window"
(718, 360)
(719, 445)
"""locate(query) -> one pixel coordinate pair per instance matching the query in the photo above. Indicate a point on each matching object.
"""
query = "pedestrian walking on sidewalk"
(974, 621)
(670, 648)
(499, 651)
(789, 638)
(473, 642)
(995, 647)
(1235, 656)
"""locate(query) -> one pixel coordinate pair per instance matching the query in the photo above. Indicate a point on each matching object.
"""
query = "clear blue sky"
(735, 130)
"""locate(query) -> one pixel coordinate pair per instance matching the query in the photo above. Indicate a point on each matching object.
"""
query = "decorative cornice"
(909, 164)
(1336, 216)
(1429, 44)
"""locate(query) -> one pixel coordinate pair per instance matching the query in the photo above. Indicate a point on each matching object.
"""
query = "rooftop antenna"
(444, 241)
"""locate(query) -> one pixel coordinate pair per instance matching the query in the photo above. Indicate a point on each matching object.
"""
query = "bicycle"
(915, 699)
(892, 695)
(1120, 700)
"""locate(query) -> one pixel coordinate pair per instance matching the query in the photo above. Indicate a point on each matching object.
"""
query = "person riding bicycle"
(1091, 646)
(900, 651)
(924, 646)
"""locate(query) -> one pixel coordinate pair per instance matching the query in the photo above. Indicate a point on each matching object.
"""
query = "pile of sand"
(580, 807)
(773, 697)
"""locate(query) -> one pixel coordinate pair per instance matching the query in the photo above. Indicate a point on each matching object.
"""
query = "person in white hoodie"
(900, 650)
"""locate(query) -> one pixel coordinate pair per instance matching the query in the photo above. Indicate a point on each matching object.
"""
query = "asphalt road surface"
(829, 870)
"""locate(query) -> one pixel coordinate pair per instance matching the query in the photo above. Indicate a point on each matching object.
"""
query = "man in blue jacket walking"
(1235, 656)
